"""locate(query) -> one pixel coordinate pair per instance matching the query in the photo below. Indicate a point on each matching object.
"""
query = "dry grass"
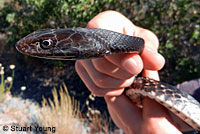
(98, 125)
(62, 113)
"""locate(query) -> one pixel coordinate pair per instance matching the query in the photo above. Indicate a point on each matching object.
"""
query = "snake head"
(67, 44)
(37, 44)
(50, 44)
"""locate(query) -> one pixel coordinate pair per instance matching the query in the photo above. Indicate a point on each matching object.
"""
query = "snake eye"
(46, 43)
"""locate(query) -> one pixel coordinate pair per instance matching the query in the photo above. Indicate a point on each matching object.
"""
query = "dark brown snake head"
(51, 44)
(77, 43)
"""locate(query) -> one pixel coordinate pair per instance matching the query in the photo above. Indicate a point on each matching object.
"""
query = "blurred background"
(175, 22)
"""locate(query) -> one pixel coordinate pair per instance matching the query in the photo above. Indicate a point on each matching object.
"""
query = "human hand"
(109, 76)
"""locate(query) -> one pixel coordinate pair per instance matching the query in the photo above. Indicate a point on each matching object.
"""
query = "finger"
(152, 60)
(124, 108)
(151, 40)
(151, 74)
(104, 66)
(132, 63)
(102, 80)
(105, 20)
(92, 87)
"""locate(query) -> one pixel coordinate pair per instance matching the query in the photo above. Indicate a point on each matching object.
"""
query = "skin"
(107, 77)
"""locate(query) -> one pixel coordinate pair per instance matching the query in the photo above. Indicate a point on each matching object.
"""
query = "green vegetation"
(176, 23)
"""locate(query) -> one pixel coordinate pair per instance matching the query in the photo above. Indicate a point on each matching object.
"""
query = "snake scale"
(84, 43)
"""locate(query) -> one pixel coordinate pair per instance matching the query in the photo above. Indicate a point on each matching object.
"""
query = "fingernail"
(158, 55)
(131, 66)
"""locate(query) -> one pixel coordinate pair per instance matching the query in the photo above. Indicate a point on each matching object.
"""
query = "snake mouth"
(21, 47)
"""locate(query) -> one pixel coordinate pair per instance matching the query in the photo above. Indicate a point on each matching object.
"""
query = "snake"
(85, 43)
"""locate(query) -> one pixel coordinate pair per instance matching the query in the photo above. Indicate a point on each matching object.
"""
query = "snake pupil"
(46, 43)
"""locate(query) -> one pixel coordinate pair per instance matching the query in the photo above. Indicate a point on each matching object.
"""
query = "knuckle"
(100, 83)
(99, 65)
(100, 80)
(95, 90)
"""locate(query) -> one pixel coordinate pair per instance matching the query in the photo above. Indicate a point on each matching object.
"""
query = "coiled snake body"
(83, 43)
